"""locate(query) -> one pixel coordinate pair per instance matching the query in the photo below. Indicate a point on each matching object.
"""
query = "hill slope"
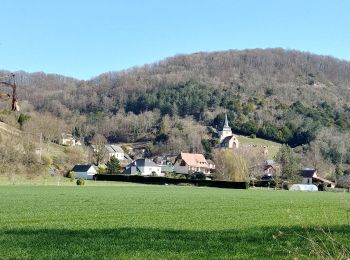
(280, 95)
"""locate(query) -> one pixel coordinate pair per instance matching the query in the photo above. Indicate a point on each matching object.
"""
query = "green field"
(123, 221)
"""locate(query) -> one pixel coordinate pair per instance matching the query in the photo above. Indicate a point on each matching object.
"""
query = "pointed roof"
(194, 160)
(226, 121)
(82, 167)
(226, 126)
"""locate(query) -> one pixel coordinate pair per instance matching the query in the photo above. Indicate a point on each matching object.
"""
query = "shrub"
(80, 182)
(253, 136)
(197, 176)
(71, 175)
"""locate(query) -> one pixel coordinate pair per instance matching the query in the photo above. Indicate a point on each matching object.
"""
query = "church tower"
(226, 130)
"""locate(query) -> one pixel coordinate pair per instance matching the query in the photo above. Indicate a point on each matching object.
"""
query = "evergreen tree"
(289, 163)
(113, 166)
(22, 119)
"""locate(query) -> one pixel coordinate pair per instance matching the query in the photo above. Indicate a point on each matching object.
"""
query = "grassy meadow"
(123, 221)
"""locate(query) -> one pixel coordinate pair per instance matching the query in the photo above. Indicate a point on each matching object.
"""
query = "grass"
(124, 221)
(272, 147)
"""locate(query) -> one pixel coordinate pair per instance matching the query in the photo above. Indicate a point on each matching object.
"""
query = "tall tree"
(99, 150)
(230, 166)
(289, 163)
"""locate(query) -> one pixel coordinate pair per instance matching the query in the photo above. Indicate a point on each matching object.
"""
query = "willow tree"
(230, 166)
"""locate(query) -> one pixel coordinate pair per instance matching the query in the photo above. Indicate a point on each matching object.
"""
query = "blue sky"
(85, 38)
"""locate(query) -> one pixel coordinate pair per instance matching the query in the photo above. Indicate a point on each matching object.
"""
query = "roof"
(167, 168)
(323, 180)
(227, 139)
(210, 161)
(194, 160)
(82, 167)
(269, 162)
(226, 127)
(308, 173)
(133, 167)
(145, 163)
(112, 148)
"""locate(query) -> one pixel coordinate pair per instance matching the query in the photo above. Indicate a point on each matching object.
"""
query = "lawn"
(125, 221)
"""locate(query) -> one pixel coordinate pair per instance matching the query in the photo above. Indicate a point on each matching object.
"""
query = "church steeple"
(226, 121)
(226, 126)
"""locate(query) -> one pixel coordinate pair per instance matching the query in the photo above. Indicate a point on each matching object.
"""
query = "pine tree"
(113, 166)
(289, 163)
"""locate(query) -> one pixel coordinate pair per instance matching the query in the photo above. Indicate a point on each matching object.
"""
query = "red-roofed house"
(191, 162)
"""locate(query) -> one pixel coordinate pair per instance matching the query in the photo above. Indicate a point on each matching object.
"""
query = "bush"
(80, 182)
(321, 187)
(197, 176)
(71, 175)
(253, 136)
(285, 185)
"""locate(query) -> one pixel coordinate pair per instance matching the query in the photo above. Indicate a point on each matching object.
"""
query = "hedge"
(165, 180)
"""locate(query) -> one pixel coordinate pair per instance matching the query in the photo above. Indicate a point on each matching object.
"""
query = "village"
(186, 165)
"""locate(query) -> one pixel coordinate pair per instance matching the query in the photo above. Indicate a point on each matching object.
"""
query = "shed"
(84, 171)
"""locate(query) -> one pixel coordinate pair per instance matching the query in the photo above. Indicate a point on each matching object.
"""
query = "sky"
(83, 39)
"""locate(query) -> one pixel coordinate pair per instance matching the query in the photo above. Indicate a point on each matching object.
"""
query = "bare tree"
(99, 151)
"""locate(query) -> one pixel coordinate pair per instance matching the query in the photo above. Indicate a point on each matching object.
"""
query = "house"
(84, 171)
(165, 163)
(69, 140)
(144, 167)
(308, 174)
(115, 151)
(227, 138)
(270, 168)
(310, 177)
(211, 164)
(188, 163)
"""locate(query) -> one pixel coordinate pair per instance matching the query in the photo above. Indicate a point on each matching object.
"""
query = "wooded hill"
(282, 95)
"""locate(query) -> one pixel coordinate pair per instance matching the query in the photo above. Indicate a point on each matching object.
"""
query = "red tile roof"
(195, 160)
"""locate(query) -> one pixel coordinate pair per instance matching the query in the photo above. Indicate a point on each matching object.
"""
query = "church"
(227, 138)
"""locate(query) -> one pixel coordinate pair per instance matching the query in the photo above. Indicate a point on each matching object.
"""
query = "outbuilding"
(84, 171)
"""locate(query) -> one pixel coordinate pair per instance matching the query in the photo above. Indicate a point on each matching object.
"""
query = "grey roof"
(112, 148)
(226, 126)
(227, 139)
(127, 157)
(226, 121)
(81, 167)
(145, 163)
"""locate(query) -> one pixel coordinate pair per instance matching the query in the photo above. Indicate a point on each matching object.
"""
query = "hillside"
(280, 95)
(23, 152)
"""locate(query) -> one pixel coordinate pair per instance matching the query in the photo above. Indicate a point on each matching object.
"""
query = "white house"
(116, 151)
(113, 150)
(144, 167)
(68, 140)
(83, 171)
